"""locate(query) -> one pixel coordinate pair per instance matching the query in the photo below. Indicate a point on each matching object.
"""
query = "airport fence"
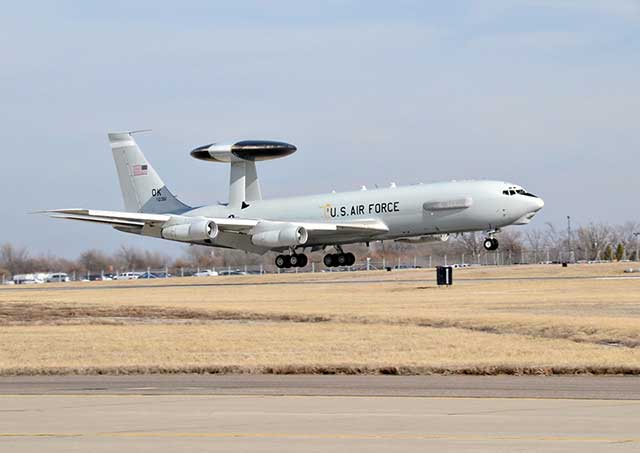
(494, 258)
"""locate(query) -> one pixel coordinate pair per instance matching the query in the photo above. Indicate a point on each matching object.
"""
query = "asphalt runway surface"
(318, 413)
(455, 386)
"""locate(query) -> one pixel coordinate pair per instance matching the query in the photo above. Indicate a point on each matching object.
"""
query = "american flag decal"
(140, 170)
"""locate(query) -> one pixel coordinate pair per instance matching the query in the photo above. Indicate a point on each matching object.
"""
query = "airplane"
(296, 225)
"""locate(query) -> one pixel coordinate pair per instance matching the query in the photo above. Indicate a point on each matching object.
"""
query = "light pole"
(569, 238)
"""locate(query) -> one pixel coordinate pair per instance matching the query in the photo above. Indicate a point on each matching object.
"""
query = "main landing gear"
(490, 244)
(331, 260)
(293, 260)
(339, 259)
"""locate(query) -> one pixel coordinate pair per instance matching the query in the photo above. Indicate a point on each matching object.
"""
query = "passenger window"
(512, 192)
(505, 192)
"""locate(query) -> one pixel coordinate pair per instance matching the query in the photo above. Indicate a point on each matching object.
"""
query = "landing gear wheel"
(491, 244)
(280, 261)
(342, 259)
(298, 260)
(283, 261)
(351, 258)
(329, 260)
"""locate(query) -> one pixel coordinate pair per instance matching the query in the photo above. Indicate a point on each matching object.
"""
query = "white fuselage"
(408, 211)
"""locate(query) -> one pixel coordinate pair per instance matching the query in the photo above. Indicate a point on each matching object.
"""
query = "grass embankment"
(398, 323)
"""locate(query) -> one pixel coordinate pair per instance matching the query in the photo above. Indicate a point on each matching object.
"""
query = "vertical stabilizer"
(142, 189)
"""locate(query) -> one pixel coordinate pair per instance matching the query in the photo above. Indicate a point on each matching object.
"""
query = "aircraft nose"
(538, 203)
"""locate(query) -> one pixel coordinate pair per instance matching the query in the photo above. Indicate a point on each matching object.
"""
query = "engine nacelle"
(199, 229)
(285, 235)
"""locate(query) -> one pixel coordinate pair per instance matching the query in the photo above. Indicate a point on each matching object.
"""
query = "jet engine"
(272, 235)
(198, 229)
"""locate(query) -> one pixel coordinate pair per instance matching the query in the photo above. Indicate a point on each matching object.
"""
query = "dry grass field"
(515, 320)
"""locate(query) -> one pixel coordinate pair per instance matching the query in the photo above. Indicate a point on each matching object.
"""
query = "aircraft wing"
(139, 219)
(114, 218)
(318, 231)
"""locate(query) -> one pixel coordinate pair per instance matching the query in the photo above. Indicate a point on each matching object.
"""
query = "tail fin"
(142, 189)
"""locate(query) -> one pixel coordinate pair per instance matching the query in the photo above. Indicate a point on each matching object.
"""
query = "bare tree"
(15, 260)
(511, 244)
(470, 243)
(203, 257)
(95, 260)
(130, 258)
(593, 240)
(535, 242)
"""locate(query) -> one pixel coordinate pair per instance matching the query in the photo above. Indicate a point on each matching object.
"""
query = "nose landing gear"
(491, 244)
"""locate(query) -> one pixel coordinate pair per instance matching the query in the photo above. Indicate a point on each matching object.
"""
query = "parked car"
(154, 275)
(128, 276)
(98, 278)
(28, 279)
(57, 277)
(232, 272)
(206, 273)
(404, 267)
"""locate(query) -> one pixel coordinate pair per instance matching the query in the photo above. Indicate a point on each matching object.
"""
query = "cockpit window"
(516, 191)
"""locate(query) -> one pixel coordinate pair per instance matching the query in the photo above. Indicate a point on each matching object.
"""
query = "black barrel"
(444, 275)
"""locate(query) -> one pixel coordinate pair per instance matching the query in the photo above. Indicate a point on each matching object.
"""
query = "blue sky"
(542, 93)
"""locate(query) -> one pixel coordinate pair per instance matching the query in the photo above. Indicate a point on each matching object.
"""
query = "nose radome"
(539, 203)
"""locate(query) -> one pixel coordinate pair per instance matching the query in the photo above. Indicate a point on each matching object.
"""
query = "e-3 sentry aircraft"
(292, 226)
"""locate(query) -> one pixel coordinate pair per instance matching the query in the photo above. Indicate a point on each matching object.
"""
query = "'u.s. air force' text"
(361, 209)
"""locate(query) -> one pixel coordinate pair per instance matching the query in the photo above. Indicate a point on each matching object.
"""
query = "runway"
(305, 413)
(456, 386)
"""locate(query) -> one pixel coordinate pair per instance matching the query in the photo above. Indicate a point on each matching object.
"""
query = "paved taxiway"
(298, 413)
(579, 387)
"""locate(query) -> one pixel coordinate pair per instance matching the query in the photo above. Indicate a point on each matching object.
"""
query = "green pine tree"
(619, 252)
(608, 253)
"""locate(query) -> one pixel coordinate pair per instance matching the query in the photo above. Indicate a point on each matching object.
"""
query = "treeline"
(595, 241)
(19, 260)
